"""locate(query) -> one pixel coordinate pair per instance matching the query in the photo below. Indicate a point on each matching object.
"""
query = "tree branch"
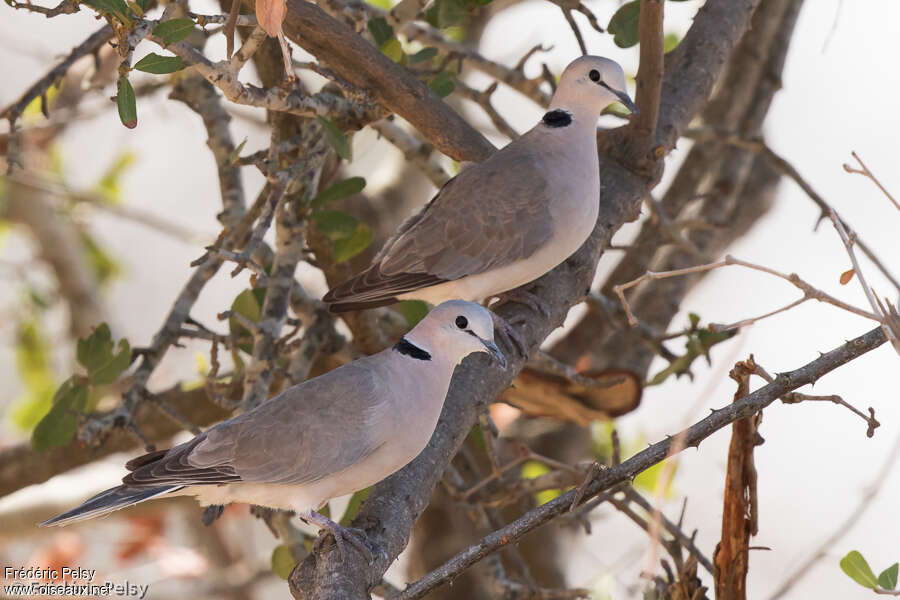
(363, 65)
(745, 407)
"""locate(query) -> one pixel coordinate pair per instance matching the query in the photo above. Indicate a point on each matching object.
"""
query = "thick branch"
(22, 465)
(363, 65)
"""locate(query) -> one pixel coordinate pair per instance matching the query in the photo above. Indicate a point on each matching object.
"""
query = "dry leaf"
(270, 14)
(545, 395)
(846, 276)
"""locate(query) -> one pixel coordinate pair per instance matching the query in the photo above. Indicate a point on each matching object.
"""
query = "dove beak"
(495, 353)
(624, 99)
(628, 102)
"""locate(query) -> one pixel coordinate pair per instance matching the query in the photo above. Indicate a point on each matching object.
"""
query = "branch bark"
(350, 56)
(22, 465)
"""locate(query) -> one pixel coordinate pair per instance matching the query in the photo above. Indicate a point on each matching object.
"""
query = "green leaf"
(888, 578)
(381, 31)
(856, 567)
(95, 353)
(423, 55)
(173, 30)
(393, 49)
(412, 310)
(33, 362)
(694, 319)
(442, 84)
(352, 509)
(117, 8)
(58, 426)
(533, 469)
(341, 189)
(670, 41)
(102, 264)
(158, 64)
(143, 4)
(347, 248)
(649, 479)
(117, 363)
(109, 184)
(624, 24)
(451, 13)
(335, 225)
(248, 305)
(283, 561)
(126, 103)
(236, 153)
(336, 138)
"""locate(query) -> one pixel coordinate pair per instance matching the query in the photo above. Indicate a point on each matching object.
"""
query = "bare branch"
(746, 406)
(864, 171)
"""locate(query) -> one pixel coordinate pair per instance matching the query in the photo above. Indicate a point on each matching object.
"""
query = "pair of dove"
(495, 226)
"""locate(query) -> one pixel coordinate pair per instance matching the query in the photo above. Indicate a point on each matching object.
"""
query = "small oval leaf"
(174, 30)
(846, 276)
(423, 55)
(347, 248)
(888, 578)
(58, 426)
(335, 225)
(856, 567)
(126, 103)
(341, 189)
(283, 561)
(380, 30)
(116, 8)
(624, 24)
(443, 84)
(336, 138)
(159, 65)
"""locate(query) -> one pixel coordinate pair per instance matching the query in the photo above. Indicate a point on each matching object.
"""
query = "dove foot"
(525, 297)
(342, 536)
(509, 336)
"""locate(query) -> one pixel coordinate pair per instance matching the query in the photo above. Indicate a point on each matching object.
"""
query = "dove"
(506, 221)
(329, 436)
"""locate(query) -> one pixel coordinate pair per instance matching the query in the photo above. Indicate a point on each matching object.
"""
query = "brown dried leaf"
(541, 394)
(270, 14)
(846, 276)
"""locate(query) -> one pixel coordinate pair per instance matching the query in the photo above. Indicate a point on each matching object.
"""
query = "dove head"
(455, 329)
(587, 86)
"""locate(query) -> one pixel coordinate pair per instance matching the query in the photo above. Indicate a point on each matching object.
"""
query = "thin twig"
(864, 170)
(793, 278)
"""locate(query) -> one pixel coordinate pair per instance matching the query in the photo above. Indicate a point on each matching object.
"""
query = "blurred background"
(839, 94)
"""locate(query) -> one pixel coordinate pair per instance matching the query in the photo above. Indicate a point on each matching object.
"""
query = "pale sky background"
(840, 94)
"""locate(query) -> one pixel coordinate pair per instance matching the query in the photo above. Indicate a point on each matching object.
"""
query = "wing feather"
(311, 430)
(490, 215)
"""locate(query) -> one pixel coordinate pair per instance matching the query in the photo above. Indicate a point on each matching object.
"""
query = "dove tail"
(109, 501)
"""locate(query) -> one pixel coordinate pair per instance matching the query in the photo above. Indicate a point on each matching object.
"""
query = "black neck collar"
(404, 346)
(557, 118)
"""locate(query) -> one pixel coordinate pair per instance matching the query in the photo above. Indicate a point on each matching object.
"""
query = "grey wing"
(488, 216)
(311, 430)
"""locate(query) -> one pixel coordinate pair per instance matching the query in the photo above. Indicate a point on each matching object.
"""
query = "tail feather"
(109, 501)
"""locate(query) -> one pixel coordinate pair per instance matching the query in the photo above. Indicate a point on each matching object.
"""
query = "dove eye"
(594, 75)
(462, 322)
